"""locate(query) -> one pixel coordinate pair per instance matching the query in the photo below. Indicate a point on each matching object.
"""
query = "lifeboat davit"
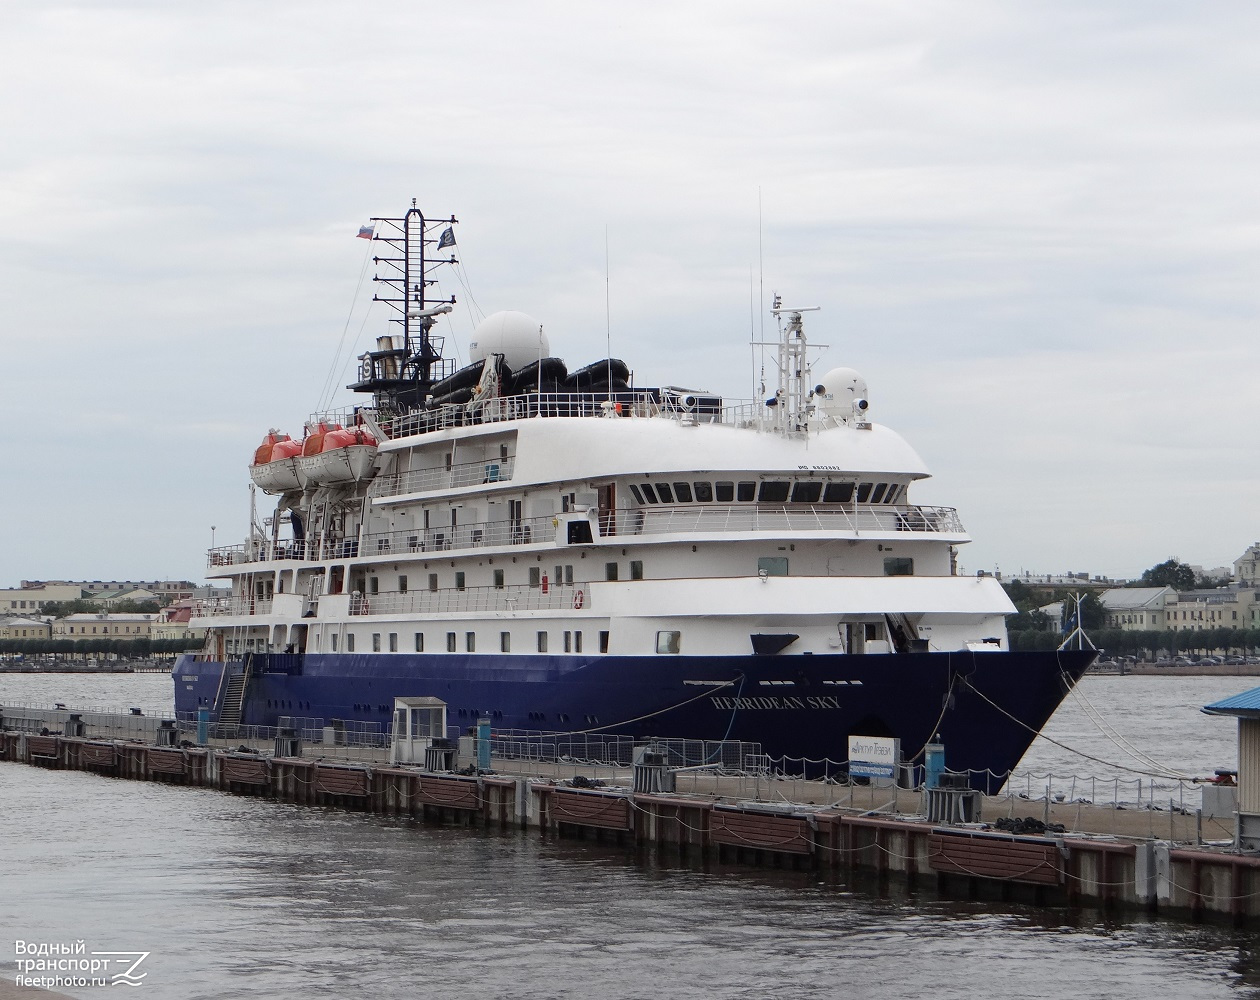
(334, 455)
(274, 469)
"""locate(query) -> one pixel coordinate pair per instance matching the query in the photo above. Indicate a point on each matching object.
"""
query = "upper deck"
(710, 522)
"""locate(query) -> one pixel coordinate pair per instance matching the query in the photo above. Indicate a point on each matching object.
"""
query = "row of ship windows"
(766, 566)
(463, 713)
(537, 578)
(768, 491)
(666, 641)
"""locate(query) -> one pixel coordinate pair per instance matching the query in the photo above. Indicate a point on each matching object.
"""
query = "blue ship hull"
(985, 707)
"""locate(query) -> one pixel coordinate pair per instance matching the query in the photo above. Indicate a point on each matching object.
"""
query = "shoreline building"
(104, 626)
(110, 590)
(24, 628)
(1137, 609)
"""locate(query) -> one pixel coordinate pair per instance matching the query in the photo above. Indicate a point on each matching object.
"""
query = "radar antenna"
(405, 364)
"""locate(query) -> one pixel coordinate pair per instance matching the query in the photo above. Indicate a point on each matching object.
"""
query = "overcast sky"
(1033, 227)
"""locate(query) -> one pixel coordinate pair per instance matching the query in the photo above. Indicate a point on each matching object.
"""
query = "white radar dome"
(841, 393)
(518, 337)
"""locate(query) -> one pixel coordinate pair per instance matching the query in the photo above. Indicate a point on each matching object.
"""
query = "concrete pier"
(1111, 860)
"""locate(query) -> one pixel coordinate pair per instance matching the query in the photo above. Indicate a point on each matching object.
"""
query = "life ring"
(578, 600)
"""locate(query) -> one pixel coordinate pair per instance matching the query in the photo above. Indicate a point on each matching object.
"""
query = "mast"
(789, 409)
(405, 364)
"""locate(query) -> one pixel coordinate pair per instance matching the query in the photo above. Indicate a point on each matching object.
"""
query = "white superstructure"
(620, 521)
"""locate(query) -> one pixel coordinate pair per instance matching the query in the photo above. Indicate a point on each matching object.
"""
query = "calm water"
(239, 897)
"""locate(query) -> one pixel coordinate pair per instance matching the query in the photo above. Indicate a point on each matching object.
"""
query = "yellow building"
(1199, 610)
(1137, 609)
(30, 599)
(24, 628)
(103, 626)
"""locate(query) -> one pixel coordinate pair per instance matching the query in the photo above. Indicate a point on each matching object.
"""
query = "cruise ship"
(562, 550)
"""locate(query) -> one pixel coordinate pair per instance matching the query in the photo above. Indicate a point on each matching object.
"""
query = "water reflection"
(239, 896)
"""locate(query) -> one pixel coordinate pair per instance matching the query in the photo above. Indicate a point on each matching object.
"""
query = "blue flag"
(447, 239)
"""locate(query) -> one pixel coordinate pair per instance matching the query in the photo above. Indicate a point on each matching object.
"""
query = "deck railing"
(646, 521)
(422, 480)
(224, 606)
(519, 597)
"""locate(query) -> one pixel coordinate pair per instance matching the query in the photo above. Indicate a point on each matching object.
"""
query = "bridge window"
(773, 491)
(683, 492)
(704, 492)
(649, 494)
(663, 491)
(893, 491)
(838, 493)
(807, 491)
(878, 494)
(724, 491)
(638, 497)
(746, 492)
(864, 492)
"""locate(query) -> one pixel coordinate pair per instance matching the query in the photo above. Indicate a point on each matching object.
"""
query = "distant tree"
(1029, 621)
(61, 609)
(1022, 595)
(1169, 573)
(137, 607)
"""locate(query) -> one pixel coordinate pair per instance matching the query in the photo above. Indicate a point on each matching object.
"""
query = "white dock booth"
(418, 723)
(1245, 708)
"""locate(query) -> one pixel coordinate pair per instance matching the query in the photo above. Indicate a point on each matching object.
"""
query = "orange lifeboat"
(274, 469)
(336, 455)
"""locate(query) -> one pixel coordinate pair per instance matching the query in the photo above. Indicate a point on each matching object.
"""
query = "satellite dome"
(844, 385)
(518, 337)
(841, 393)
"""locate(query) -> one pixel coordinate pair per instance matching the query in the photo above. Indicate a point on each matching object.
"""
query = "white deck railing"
(833, 519)
(422, 480)
(479, 600)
